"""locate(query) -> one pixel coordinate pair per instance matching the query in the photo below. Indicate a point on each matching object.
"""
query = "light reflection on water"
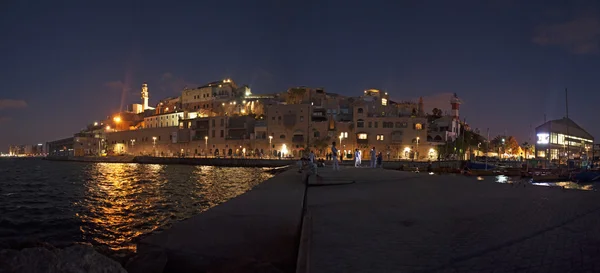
(110, 204)
(564, 184)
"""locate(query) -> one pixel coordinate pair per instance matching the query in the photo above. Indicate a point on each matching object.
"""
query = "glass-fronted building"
(562, 139)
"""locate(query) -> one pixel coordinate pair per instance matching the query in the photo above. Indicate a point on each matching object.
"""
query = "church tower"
(145, 96)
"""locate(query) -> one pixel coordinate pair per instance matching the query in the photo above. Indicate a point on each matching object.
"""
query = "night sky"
(66, 65)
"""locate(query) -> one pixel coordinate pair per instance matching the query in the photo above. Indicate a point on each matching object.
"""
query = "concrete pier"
(257, 230)
(376, 220)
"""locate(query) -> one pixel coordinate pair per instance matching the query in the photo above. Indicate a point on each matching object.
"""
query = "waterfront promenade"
(391, 221)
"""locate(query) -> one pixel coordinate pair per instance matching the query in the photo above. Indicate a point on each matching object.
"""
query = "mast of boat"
(487, 148)
(567, 123)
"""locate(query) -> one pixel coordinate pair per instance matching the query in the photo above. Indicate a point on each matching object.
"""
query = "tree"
(528, 148)
(435, 114)
(512, 146)
(497, 144)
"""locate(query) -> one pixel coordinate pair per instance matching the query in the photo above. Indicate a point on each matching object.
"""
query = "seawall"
(223, 162)
(258, 229)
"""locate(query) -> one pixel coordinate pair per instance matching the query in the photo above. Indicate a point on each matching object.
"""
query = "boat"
(586, 176)
(482, 172)
(480, 166)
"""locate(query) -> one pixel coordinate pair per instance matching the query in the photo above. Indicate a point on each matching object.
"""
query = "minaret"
(421, 110)
(145, 96)
(455, 102)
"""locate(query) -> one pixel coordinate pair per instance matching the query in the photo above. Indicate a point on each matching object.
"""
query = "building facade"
(222, 119)
(561, 139)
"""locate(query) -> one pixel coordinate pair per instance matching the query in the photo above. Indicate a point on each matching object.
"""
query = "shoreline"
(219, 162)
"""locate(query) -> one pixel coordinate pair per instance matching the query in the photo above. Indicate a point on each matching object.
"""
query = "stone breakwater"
(46, 258)
(221, 162)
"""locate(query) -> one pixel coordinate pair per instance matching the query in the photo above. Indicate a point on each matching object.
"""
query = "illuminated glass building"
(562, 138)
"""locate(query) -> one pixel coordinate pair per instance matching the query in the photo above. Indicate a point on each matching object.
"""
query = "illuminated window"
(553, 138)
(561, 139)
(418, 126)
(384, 101)
(380, 137)
(362, 136)
(541, 153)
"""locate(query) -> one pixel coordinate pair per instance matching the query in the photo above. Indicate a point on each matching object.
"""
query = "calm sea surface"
(109, 205)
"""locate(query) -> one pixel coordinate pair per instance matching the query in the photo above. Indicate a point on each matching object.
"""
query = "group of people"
(310, 162)
(376, 158)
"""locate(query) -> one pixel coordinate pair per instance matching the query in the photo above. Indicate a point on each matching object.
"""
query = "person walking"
(380, 160)
(311, 157)
(334, 157)
(356, 158)
(373, 158)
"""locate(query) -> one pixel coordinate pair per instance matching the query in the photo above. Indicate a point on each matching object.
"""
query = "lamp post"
(417, 151)
(270, 146)
(132, 144)
(205, 146)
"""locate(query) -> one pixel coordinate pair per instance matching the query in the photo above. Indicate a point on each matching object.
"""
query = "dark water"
(109, 205)
(564, 184)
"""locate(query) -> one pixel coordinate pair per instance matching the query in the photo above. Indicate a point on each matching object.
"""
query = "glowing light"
(407, 149)
(543, 138)
(107, 127)
(117, 119)
(95, 123)
(284, 150)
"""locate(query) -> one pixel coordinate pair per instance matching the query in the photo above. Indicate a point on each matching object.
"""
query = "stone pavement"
(391, 221)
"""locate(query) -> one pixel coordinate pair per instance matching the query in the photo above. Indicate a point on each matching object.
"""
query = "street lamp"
(417, 151)
(270, 146)
(132, 144)
(205, 145)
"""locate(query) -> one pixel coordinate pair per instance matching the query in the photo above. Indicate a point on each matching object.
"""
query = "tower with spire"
(421, 109)
(145, 96)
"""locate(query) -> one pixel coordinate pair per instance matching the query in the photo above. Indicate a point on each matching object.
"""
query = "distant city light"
(117, 119)
(95, 123)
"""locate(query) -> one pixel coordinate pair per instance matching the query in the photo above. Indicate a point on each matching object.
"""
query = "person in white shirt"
(373, 158)
(359, 158)
(334, 157)
(311, 157)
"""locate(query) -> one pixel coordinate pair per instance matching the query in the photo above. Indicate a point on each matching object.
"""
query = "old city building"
(222, 119)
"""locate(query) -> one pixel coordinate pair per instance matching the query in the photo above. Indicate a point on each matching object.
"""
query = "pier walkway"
(391, 221)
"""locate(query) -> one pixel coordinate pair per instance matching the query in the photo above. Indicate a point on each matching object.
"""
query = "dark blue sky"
(65, 65)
